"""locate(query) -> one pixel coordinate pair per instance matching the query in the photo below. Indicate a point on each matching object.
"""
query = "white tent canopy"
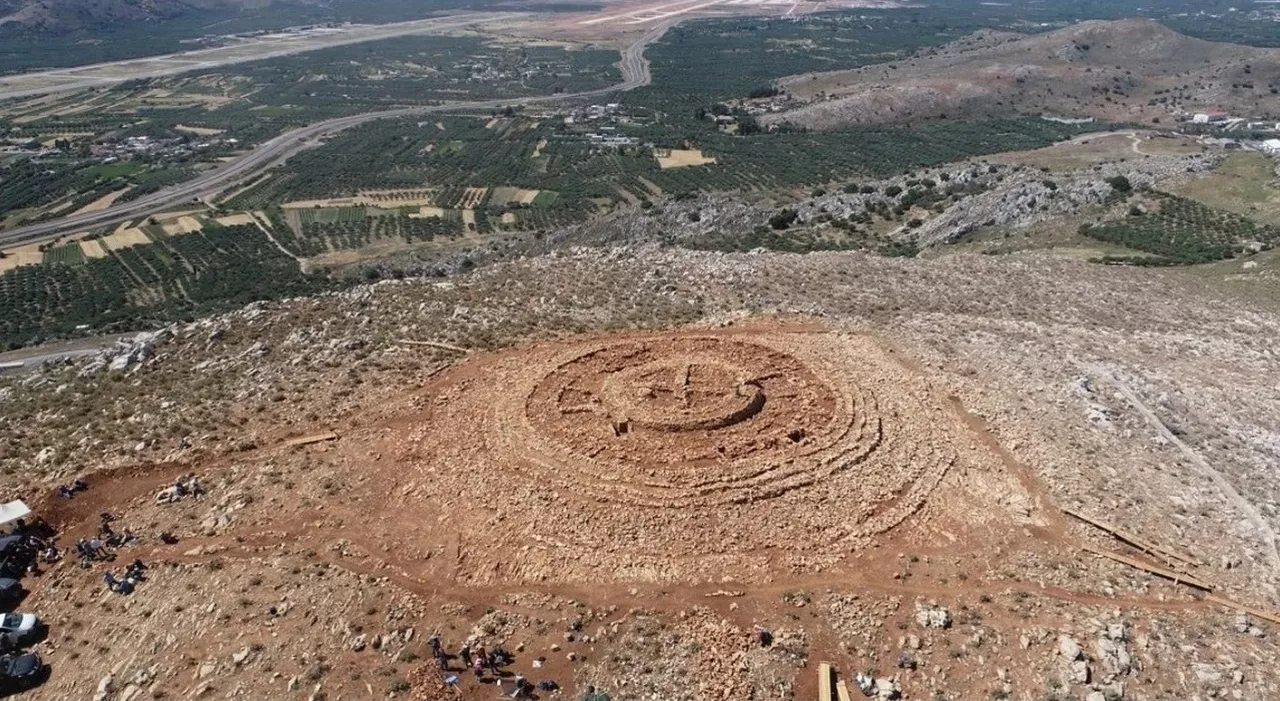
(13, 511)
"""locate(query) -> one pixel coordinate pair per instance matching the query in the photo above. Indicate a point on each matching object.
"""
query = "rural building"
(1271, 147)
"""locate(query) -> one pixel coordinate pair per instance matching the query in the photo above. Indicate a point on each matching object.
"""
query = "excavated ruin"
(681, 451)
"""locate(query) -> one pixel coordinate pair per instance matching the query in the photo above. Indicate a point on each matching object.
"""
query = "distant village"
(598, 125)
(111, 150)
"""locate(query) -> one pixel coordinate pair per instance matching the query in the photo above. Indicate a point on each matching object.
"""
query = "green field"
(67, 254)
(114, 170)
(1244, 183)
(179, 277)
(257, 100)
(329, 215)
(1179, 231)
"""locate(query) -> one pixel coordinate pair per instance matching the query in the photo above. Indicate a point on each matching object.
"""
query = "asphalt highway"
(635, 73)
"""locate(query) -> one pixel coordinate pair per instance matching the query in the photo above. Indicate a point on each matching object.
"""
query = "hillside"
(64, 16)
(1129, 70)
(895, 504)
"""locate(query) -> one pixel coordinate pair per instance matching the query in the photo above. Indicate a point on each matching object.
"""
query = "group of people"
(70, 490)
(103, 545)
(134, 573)
(109, 534)
(480, 660)
(93, 549)
(33, 545)
(182, 488)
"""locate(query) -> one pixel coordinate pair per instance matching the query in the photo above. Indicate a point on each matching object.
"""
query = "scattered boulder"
(105, 686)
(1069, 648)
(887, 689)
(1113, 655)
(933, 616)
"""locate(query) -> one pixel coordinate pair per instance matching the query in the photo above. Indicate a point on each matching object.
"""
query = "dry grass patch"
(170, 216)
(426, 212)
(26, 255)
(199, 131)
(103, 202)
(93, 248)
(1071, 155)
(241, 219)
(126, 238)
(183, 225)
(681, 158)
(1244, 183)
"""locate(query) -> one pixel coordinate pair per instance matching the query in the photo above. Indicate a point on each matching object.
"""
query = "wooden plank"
(842, 690)
(1149, 548)
(1177, 577)
(1256, 613)
(308, 440)
(825, 676)
(435, 344)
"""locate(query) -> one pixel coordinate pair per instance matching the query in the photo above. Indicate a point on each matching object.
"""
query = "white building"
(1271, 147)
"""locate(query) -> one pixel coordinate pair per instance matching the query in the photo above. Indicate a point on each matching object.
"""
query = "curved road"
(635, 73)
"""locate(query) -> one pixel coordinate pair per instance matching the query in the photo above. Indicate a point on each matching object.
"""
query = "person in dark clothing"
(135, 570)
(764, 636)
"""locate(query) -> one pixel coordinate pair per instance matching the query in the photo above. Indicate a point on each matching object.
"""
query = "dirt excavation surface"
(676, 458)
(601, 464)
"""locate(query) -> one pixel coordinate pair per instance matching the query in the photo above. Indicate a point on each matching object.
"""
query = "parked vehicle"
(20, 672)
(19, 629)
(13, 567)
(11, 591)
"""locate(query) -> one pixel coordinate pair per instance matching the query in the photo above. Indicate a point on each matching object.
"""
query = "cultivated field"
(681, 158)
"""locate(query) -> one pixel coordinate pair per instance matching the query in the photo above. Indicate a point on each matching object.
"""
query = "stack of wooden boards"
(827, 681)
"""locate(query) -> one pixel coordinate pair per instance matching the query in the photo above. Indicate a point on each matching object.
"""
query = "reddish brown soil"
(695, 468)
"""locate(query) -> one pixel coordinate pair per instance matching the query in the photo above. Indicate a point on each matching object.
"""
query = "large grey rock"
(1113, 655)
(1069, 648)
(933, 616)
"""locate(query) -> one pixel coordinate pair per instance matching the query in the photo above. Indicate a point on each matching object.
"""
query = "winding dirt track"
(635, 73)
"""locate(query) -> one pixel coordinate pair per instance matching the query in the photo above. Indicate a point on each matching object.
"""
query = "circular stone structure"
(686, 406)
(706, 443)
(676, 396)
